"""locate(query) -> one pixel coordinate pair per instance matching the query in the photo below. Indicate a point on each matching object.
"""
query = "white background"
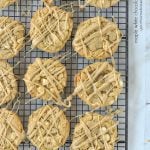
(139, 82)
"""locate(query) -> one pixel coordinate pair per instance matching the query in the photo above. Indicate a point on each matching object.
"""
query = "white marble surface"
(139, 80)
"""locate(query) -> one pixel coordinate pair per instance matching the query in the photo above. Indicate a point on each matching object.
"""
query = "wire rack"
(73, 64)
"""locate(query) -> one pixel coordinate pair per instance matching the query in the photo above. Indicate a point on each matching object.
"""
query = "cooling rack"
(23, 12)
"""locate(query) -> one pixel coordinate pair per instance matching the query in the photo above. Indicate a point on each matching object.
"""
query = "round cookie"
(5, 3)
(46, 79)
(48, 128)
(102, 3)
(98, 84)
(51, 27)
(8, 84)
(97, 38)
(11, 130)
(95, 132)
(11, 37)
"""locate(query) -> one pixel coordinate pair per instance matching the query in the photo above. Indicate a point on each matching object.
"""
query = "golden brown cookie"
(5, 3)
(11, 130)
(95, 132)
(97, 38)
(11, 37)
(102, 3)
(51, 27)
(8, 84)
(98, 84)
(48, 128)
(46, 79)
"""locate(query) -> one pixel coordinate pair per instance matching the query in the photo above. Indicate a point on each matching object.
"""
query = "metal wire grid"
(73, 64)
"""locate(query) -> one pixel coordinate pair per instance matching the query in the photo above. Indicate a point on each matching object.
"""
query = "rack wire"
(24, 12)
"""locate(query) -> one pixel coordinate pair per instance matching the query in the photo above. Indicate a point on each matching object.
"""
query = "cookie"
(47, 2)
(98, 84)
(48, 128)
(97, 38)
(8, 84)
(95, 132)
(11, 37)
(46, 79)
(5, 3)
(51, 27)
(11, 130)
(102, 3)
